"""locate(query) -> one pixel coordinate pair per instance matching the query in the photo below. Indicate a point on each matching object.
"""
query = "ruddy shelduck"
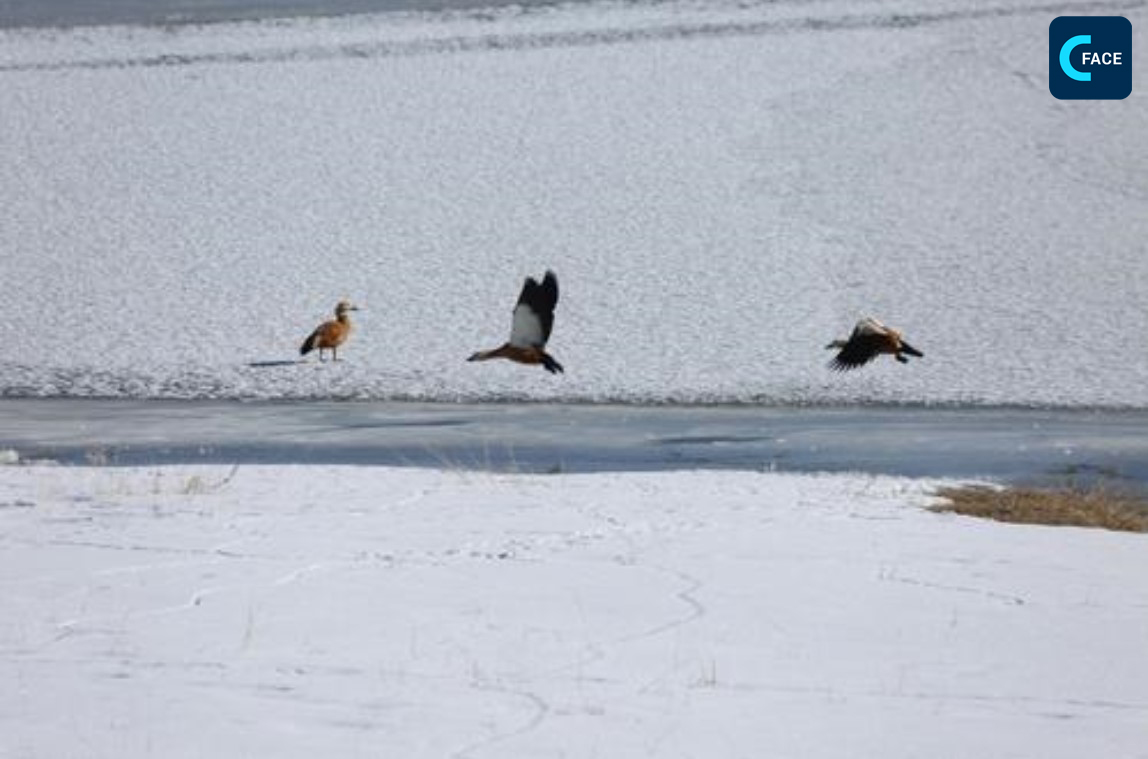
(870, 339)
(331, 334)
(530, 327)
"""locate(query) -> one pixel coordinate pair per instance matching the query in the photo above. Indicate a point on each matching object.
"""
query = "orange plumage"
(870, 338)
(533, 318)
(330, 334)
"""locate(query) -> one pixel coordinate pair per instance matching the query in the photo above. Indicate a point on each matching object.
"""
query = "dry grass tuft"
(1092, 507)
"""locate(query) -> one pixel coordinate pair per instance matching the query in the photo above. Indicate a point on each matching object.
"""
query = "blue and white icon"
(1090, 58)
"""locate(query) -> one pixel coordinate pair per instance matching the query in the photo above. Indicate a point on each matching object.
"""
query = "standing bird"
(330, 334)
(870, 338)
(530, 328)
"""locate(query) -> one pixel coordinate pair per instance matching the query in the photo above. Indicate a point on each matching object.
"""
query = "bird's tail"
(906, 348)
(551, 365)
(308, 344)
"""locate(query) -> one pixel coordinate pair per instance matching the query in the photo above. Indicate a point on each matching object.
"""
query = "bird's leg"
(321, 359)
(334, 354)
(902, 359)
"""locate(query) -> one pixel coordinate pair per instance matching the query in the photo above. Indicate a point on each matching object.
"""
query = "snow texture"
(357, 611)
(722, 188)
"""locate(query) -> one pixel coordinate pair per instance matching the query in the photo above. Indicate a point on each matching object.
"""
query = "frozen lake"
(1001, 443)
(721, 187)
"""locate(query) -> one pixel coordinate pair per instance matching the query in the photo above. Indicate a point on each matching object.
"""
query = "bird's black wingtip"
(552, 366)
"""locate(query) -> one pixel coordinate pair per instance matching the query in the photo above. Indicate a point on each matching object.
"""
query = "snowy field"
(312, 611)
(722, 188)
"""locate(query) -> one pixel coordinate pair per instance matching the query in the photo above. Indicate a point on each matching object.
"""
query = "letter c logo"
(1066, 65)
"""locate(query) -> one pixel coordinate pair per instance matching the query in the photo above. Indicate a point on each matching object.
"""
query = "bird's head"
(344, 306)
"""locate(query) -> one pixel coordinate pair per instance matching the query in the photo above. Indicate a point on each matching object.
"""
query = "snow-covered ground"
(722, 188)
(313, 611)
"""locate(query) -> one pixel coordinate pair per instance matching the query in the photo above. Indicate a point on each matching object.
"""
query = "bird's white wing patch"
(870, 326)
(526, 329)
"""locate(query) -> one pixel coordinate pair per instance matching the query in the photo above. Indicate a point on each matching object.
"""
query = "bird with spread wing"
(530, 327)
(870, 339)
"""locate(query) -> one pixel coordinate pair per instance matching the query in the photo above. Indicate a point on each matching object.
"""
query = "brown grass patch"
(1092, 507)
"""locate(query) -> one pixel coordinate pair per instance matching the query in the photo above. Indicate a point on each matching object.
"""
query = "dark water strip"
(1012, 444)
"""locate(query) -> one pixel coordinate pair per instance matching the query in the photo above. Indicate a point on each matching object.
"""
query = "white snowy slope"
(721, 187)
(363, 612)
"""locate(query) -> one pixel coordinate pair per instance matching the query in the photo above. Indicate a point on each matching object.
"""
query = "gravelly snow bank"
(722, 188)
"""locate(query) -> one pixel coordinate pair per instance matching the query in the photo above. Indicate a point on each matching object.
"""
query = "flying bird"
(330, 334)
(870, 338)
(530, 328)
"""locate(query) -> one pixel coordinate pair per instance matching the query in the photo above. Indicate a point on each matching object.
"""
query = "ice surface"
(324, 611)
(722, 188)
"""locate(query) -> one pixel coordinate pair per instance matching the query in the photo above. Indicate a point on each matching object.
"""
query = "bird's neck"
(502, 351)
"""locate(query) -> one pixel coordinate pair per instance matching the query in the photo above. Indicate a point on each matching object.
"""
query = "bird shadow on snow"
(273, 364)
